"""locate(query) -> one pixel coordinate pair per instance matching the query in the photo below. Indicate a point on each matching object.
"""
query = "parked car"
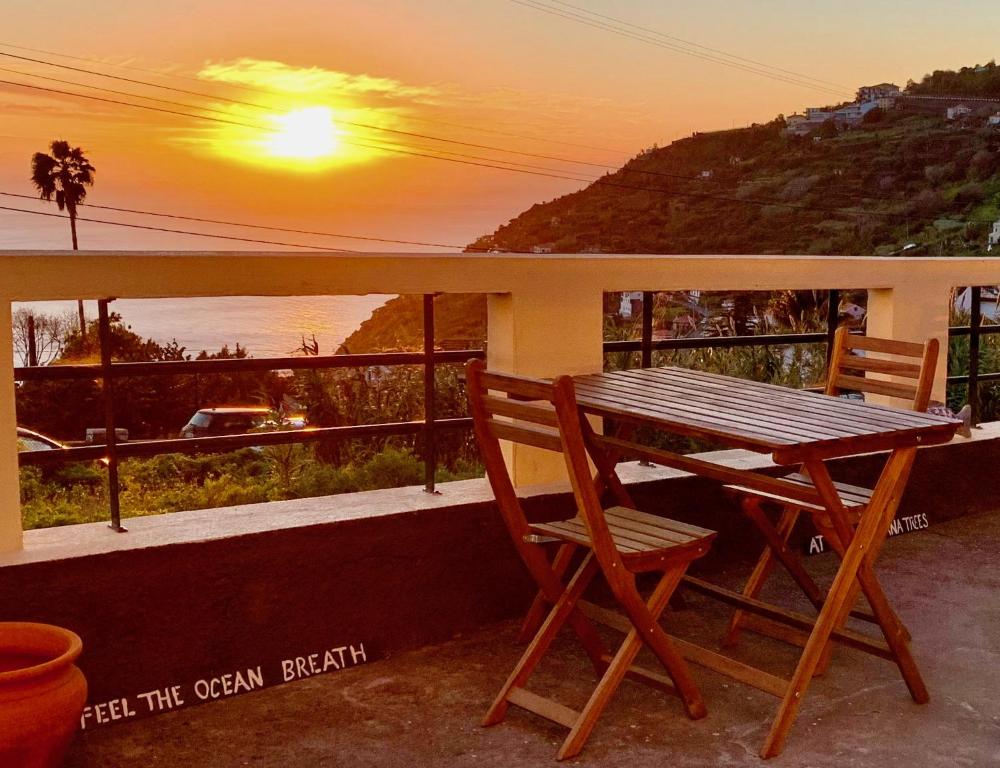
(29, 440)
(210, 422)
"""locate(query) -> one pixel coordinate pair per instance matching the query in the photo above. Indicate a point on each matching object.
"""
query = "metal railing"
(108, 372)
(974, 330)
(646, 344)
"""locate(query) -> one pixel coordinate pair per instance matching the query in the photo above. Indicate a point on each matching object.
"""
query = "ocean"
(267, 326)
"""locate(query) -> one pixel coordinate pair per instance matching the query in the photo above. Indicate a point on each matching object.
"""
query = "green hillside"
(897, 180)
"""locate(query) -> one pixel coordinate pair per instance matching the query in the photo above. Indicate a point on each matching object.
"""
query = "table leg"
(865, 541)
(895, 633)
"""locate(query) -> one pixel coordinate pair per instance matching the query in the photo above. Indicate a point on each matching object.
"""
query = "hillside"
(896, 180)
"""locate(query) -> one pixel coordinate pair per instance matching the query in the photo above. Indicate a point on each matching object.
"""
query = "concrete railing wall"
(545, 312)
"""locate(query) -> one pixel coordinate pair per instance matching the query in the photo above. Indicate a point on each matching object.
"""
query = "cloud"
(278, 77)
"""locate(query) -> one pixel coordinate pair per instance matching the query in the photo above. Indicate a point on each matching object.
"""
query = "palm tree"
(66, 173)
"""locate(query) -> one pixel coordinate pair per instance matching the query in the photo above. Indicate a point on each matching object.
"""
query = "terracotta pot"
(42, 694)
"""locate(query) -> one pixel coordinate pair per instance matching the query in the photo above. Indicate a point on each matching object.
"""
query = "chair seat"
(853, 497)
(639, 537)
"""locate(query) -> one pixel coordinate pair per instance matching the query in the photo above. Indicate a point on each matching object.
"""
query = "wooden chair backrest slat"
(851, 372)
(536, 437)
(534, 412)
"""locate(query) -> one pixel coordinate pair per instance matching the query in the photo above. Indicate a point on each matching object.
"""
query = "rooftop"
(421, 708)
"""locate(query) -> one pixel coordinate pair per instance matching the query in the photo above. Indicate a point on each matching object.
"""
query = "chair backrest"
(543, 415)
(900, 359)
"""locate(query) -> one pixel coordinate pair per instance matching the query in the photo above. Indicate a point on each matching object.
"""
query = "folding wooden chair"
(848, 372)
(619, 542)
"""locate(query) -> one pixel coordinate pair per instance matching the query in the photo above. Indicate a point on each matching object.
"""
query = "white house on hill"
(958, 111)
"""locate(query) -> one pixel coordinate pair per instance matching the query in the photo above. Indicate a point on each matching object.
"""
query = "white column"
(10, 496)
(544, 332)
(913, 311)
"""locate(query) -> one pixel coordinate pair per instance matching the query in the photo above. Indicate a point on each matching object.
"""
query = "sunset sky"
(319, 79)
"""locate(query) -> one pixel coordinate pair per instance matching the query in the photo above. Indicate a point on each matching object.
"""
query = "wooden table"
(796, 428)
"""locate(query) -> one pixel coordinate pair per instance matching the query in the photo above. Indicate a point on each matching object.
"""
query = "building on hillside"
(543, 248)
(706, 174)
(882, 96)
(993, 120)
(958, 111)
(877, 92)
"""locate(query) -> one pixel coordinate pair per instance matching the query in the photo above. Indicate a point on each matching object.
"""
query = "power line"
(176, 231)
(244, 86)
(597, 24)
(681, 40)
(492, 163)
(230, 121)
(599, 181)
(203, 220)
(352, 123)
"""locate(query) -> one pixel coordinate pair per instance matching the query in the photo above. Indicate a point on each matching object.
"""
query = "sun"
(304, 134)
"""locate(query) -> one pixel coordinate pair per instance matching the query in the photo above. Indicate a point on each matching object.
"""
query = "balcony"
(213, 596)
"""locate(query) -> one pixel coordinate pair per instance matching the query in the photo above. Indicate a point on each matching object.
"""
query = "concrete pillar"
(10, 494)
(544, 332)
(913, 311)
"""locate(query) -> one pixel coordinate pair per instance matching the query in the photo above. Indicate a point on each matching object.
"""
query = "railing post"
(913, 311)
(832, 318)
(975, 322)
(647, 329)
(430, 438)
(108, 393)
(542, 331)
(11, 537)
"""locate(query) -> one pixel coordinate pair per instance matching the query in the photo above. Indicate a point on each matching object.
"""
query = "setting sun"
(306, 134)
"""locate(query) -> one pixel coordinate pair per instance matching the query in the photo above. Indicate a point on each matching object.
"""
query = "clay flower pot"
(42, 693)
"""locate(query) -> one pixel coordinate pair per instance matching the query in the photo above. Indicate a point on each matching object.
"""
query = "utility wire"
(352, 123)
(203, 220)
(230, 121)
(244, 86)
(682, 41)
(603, 181)
(492, 163)
(597, 24)
(177, 231)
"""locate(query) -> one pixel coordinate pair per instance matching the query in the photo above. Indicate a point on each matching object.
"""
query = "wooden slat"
(886, 346)
(543, 707)
(533, 389)
(880, 365)
(693, 531)
(617, 398)
(761, 406)
(648, 677)
(790, 398)
(875, 386)
(519, 433)
(737, 670)
(844, 636)
(535, 413)
(694, 653)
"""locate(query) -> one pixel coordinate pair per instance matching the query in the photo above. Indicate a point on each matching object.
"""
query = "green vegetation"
(979, 81)
(77, 493)
(895, 180)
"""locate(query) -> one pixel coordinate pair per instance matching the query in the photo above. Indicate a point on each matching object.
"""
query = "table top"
(792, 425)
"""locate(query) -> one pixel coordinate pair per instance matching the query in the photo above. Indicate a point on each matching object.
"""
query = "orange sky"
(484, 63)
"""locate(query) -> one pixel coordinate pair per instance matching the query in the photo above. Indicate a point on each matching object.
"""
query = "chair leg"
(540, 606)
(644, 617)
(765, 563)
(564, 608)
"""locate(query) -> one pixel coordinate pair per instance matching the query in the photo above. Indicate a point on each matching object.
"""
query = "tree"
(66, 173)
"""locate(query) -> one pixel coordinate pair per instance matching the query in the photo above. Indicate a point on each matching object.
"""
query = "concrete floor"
(422, 708)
